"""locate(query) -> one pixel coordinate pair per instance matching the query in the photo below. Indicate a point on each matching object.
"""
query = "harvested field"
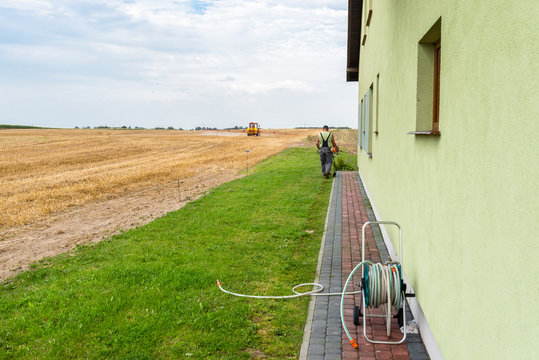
(347, 139)
(46, 171)
(59, 188)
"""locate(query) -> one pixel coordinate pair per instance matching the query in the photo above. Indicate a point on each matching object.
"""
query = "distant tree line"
(318, 127)
(21, 127)
(205, 128)
(126, 128)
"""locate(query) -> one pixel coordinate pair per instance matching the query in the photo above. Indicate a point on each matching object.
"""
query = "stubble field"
(46, 171)
(59, 188)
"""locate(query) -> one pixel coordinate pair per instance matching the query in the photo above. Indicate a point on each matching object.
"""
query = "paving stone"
(334, 338)
(333, 346)
(320, 314)
(316, 349)
(319, 331)
(417, 351)
(413, 338)
(334, 354)
(318, 340)
(334, 331)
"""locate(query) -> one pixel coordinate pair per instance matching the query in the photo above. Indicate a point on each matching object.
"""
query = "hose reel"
(381, 286)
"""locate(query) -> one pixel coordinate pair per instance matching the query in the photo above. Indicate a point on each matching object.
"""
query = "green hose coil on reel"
(365, 286)
(381, 281)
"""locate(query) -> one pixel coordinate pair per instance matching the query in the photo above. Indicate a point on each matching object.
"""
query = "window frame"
(366, 121)
(429, 61)
(436, 90)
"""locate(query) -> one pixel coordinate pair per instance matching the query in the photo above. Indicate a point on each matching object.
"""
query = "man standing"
(323, 141)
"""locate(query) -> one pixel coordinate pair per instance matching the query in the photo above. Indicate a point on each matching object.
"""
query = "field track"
(59, 188)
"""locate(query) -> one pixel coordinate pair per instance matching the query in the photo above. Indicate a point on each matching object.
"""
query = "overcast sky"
(183, 63)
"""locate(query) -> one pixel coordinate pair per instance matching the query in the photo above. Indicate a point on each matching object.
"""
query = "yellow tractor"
(254, 129)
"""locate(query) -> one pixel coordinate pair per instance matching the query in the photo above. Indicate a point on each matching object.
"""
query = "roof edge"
(355, 10)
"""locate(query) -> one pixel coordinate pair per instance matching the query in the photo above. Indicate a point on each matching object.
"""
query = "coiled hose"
(382, 286)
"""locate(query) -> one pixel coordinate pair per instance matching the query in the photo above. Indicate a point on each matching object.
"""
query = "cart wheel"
(400, 319)
(357, 315)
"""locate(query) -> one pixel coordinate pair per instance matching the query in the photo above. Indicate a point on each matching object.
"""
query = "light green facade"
(468, 199)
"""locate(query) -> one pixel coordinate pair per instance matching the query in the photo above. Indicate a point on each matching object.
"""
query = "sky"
(182, 63)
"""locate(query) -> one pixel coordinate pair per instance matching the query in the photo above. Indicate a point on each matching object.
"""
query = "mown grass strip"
(150, 292)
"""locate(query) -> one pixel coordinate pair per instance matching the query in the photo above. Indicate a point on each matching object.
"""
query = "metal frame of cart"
(387, 315)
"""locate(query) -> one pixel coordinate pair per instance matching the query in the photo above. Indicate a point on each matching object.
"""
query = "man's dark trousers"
(326, 159)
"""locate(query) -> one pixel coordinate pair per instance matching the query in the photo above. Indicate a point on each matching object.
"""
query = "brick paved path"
(341, 253)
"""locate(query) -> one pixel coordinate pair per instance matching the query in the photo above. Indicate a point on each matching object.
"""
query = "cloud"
(228, 78)
(158, 52)
(39, 6)
(261, 88)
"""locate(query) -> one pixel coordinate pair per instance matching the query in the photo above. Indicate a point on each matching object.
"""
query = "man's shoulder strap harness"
(325, 141)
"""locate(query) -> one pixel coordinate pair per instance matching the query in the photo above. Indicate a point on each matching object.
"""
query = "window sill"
(369, 155)
(431, 132)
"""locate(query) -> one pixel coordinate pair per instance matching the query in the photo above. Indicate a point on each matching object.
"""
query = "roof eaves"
(355, 8)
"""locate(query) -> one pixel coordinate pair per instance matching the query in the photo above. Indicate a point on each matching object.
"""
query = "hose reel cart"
(381, 286)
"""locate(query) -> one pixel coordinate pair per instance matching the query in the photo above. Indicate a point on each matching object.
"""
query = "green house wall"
(467, 199)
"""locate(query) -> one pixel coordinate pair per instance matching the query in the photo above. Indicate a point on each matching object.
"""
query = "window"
(359, 133)
(365, 130)
(429, 60)
(377, 99)
(436, 89)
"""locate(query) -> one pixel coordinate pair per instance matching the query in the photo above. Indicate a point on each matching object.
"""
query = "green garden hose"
(314, 292)
(382, 286)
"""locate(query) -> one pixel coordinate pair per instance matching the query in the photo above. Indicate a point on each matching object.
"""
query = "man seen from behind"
(324, 142)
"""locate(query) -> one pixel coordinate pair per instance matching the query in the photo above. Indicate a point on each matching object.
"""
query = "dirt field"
(59, 188)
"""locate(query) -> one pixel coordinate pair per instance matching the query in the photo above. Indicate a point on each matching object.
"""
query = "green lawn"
(151, 292)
